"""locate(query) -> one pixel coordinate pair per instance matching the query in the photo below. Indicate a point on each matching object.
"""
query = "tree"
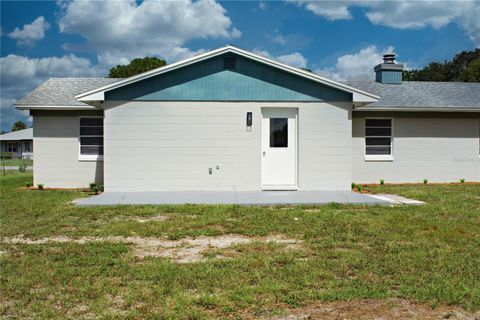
(19, 125)
(136, 66)
(465, 67)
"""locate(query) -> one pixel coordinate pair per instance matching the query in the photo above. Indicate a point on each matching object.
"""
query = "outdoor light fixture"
(249, 121)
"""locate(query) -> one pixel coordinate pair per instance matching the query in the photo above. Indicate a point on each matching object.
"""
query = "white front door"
(279, 149)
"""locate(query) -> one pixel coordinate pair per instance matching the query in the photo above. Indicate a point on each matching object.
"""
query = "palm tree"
(19, 125)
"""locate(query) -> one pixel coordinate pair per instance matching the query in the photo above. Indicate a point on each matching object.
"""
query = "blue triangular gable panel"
(210, 81)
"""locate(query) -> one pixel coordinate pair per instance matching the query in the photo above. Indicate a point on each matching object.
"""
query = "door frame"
(293, 187)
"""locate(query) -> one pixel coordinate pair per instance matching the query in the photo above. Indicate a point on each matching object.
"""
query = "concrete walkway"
(10, 168)
(261, 198)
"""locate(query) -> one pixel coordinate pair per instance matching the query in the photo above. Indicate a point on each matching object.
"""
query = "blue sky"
(341, 40)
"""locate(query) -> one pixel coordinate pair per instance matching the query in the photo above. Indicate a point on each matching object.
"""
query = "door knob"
(264, 153)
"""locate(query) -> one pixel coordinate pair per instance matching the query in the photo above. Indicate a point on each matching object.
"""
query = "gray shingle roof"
(25, 134)
(409, 94)
(418, 94)
(62, 91)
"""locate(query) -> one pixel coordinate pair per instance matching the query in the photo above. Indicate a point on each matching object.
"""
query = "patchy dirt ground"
(186, 250)
(158, 217)
(391, 309)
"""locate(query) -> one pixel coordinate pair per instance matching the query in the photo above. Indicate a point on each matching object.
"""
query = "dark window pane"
(385, 132)
(91, 141)
(377, 141)
(278, 132)
(92, 122)
(91, 150)
(378, 150)
(378, 122)
(91, 131)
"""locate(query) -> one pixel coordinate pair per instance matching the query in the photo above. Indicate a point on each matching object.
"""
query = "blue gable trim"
(209, 81)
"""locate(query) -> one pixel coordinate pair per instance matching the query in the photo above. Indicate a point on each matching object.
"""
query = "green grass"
(428, 253)
(15, 162)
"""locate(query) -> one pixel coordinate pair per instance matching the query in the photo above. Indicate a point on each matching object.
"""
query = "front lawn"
(429, 253)
(15, 162)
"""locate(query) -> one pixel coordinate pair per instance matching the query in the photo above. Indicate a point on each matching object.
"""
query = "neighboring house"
(17, 144)
(229, 119)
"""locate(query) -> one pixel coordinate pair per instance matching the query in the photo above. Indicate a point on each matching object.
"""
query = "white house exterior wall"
(438, 147)
(167, 146)
(56, 151)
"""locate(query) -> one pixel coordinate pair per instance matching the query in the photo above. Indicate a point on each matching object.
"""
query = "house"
(17, 144)
(229, 119)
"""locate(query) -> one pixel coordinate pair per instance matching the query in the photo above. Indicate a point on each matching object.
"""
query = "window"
(378, 139)
(28, 146)
(91, 138)
(12, 147)
(278, 132)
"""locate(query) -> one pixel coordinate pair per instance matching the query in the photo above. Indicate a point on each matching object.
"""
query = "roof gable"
(24, 134)
(98, 95)
(212, 80)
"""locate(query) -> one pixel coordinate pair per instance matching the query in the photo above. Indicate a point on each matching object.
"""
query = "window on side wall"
(12, 147)
(91, 138)
(378, 139)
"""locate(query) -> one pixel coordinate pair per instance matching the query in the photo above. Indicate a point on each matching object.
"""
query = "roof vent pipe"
(389, 58)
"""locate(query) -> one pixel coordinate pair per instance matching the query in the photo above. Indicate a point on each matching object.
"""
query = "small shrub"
(382, 182)
(425, 181)
(359, 187)
(92, 186)
(28, 184)
(100, 188)
(40, 186)
(462, 180)
(353, 185)
(22, 168)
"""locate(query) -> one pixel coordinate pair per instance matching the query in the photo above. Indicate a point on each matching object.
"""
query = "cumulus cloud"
(121, 30)
(356, 66)
(30, 32)
(19, 75)
(331, 10)
(405, 14)
(294, 59)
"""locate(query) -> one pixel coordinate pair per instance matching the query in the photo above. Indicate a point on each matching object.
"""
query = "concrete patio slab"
(261, 198)
(398, 200)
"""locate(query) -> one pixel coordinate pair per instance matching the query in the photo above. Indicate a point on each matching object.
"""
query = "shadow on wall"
(99, 172)
(424, 125)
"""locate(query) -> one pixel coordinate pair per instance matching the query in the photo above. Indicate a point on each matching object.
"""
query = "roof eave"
(50, 107)
(420, 109)
(98, 94)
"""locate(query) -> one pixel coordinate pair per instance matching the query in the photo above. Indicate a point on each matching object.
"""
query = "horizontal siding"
(163, 146)
(437, 149)
(56, 148)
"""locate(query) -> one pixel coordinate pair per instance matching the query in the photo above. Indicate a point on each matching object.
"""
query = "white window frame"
(88, 157)
(378, 157)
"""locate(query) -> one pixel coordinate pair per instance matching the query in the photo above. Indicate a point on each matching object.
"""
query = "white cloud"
(19, 75)
(356, 66)
(331, 10)
(405, 14)
(30, 32)
(294, 59)
(262, 5)
(279, 39)
(121, 30)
